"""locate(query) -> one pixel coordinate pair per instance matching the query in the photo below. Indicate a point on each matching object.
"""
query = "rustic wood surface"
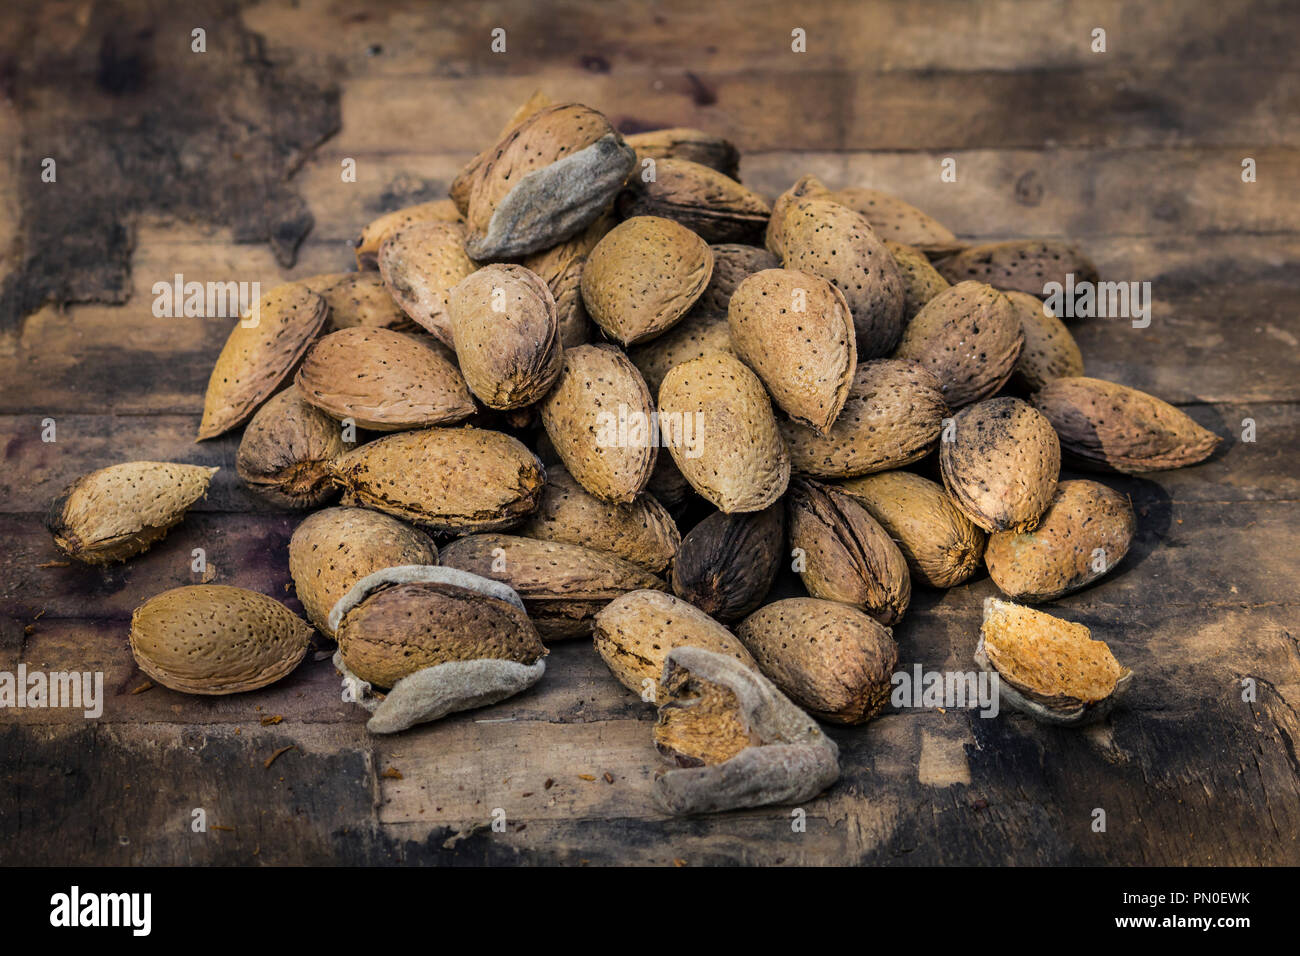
(226, 165)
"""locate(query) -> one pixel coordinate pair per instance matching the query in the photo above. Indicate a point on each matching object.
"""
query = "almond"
(692, 337)
(733, 263)
(373, 236)
(898, 221)
(689, 144)
(1022, 265)
(464, 181)
(807, 187)
(287, 450)
(727, 564)
(1050, 350)
(560, 267)
(921, 281)
(420, 265)
(359, 299)
(707, 202)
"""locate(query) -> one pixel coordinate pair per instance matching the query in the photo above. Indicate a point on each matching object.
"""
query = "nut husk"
(831, 659)
(897, 221)
(727, 563)
(709, 203)
(420, 265)
(373, 236)
(286, 452)
(682, 142)
(1050, 350)
(1022, 265)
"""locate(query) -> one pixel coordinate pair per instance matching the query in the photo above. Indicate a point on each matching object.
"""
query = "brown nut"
(373, 236)
(807, 187)
(921, 281)
(733, 263)
(464, 181)
(692, 337)
(359, 299)
(1050, 350)
(420, 265)
(1022, 265)
(898, 221)
(560, 267)
(685, 143)
(286, 452)
(727, 564)
(709, 203)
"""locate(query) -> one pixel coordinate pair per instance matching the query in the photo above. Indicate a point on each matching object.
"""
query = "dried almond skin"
(831, 659)
(643, 276)
(563, 586)
(722, 434)
(733, 263)
(116, 512)
(260, 357)
(1050, 350)
(1002, 464)
(847, 555)
(709, 203)
(507, 335)
(286, 452)
(807, 187)
(420, 265)
(373, 236)
(560, 267)
(1110, 427)
(694, 145)
(744, 744)
(359, 299)
(1085, 532)
(634, 633)
(1021, 265)
(796, 332)
(727, 564)
(692, 337)
(641, 531)
(892, 417)
(597, 386)
(452, 480)
(335, 548)
(941, 545)
(1049, 668)
(897, 221)
(214, 639)
(464, 182)
(832, 241)
(970, 337)
(921, 281)
(384, 380)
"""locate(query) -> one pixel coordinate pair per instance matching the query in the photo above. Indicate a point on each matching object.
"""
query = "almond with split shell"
(563, 585)
(373, 236)
(116, 512)
(420, 265)
(692, 337)
(359, 299)
(707, 202)
(941, 545)
(921, 281)
(287, 451)
(1050, 350)
(727, 564)
(829, 658)
(722, 434)
(560, 267)
(898, 221)
(464, 181)
(892, 417)
(643, 276)
(694, 145)
(741, 741)
(1106, 426)
(441, 639)
(1021, 265)
(844, 554)
(1085, 532)
(1048, 668)
(634, 633)
(260, 355)
(451, 480)
(333, 549)
(214, 639)
(1002, 464)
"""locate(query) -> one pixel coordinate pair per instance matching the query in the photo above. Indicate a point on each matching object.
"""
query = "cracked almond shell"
(373, 236)
(898, 221)
(921, 281)
(1106, 426)
(452, 480)
(214, 639)
(643, 276)
(796, 332)
(1002, 464)
(1050, 350)
(287, 450)
(727, 563)
(259, 358)
(831, 659)
(116, 512)
(1021, 265)
(892, 417)
(420, 265)
(681, 142)
(709, 203)
(723, 436)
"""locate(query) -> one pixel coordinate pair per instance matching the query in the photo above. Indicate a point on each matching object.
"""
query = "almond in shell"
(807, 187)
(420, 265)
(287, 450)
(694, 145)
(1021, 265)
(733, 263)
(898, 221)
(727, 563)
(373, 236)
(696, 335)
(1050, 350)
(560, 267)
(707, 202)
(921, 281)
(464, 181)
(359, 299)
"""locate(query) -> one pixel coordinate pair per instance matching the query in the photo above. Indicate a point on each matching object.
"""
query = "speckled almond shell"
(796, 332)
(807, 187)
(560, 267)
(727, 564)
(335, 548)
(682, 142)
(214, 639)
(257, 360)
(1112, 427)
(643, 277)
(384, 380)
(832, 241)
(1084, 534)
(1022, 265)
(445, 479)
(359, 299)
(892, 417)
(510, 358)
(420, 265)
(941, 545)
(692, 337)
(832, 660)
(1050, 350)
(119, 511)
(738, 461)
(707, 202)
(921, 281)
(634, 633)
(563, 585)
(1002, 464)
(898, 221)
(581, 413)
(641, 531)
(733, 263)
(287, 450)
(847, 555)
(464, 181)
(373, 236)
(970, 337)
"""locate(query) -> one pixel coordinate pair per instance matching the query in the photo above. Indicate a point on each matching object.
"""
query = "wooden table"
(226, 165)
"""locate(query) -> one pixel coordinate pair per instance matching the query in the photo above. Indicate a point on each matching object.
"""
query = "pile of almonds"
(525, 392)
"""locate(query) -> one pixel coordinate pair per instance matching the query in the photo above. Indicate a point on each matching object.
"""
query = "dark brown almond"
(1022, 265)
(689, 144)
(287, 450)
(420, 265)
(709, 203)
(727, 564)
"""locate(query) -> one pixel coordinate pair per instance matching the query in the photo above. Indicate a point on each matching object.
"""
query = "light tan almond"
(420, 265)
